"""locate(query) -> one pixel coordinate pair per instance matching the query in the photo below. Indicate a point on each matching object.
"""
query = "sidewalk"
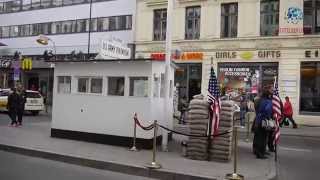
(34, 139)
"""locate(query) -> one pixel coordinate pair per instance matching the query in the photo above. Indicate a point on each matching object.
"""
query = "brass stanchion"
(235, 175)
(134, 148)
(154, 164)
(248, 126)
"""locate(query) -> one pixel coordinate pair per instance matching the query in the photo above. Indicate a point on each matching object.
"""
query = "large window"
(64, 84)
(83, 85)
(138, 86)
(311, 21)
(5, 32)
(159, 24)
(103, 24)
(116, 86)
(229, 20)
(310, 88)
(14, 31)
(96, 85)
(269, 17)
(90, 85)
(192, 23)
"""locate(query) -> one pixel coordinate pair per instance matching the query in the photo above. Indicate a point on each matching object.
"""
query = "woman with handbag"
(263, 113)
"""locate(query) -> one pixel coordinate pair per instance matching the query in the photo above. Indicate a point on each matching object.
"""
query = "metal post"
(234, 175)
(154, 164)
(89, 31)
(134, 148)
(166, 76)
(248, 126)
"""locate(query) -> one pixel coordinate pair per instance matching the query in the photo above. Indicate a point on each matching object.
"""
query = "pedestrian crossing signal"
(26, 64)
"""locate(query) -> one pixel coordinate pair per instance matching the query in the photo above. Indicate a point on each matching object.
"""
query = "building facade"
(75, 29)
(248, 42)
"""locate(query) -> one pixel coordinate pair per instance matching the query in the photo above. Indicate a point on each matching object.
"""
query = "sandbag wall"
(221, 147)
(198, 118)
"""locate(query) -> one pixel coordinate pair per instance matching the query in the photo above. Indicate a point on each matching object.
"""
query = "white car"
(34, 102)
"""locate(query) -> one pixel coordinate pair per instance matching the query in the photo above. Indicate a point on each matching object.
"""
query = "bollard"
(134, 148)
(154, 164)
(234, 175)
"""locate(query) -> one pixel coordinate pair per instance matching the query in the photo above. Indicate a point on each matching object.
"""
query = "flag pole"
(275, 143)
(210, 122)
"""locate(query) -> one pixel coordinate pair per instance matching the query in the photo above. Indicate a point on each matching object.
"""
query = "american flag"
(214, 101)
(276, 110)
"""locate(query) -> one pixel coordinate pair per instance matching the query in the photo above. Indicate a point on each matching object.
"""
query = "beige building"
(248, 42)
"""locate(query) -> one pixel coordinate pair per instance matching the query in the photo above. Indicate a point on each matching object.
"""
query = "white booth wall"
(104, 114)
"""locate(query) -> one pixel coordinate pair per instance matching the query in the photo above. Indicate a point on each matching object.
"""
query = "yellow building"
(248, 42)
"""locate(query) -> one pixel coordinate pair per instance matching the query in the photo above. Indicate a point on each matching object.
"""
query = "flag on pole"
(276, 110)
(214, 101)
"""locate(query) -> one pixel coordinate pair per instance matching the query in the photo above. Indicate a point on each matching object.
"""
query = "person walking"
(21, 104)
(12, 106)
(263, 111)
(288, 112)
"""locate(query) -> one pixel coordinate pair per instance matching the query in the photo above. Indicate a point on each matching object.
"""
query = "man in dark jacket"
(21, 103)
(12, 106)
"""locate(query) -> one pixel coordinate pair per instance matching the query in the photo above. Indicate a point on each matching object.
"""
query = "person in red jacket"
(287, 112)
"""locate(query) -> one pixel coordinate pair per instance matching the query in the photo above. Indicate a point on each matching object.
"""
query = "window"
(83, 85)
(78, 1)
(15, 5)
(35, 29)
(57, 2)
(56, 28)
(311, 20)
(45, 3)
(66, 26)
(1, 7)
(26, 4)
(96, 85)
(138, 86)
(103, 24)
(269, 17)
(35, 4)
(159, 24)
(64, 84)
(192, 23)
(81, 25)
(45, 28)
(310, 88)
(116, 86)
(229, 20)
(128, 22)
(14, 31)
(5, 31)
(93, 25)
(67, 2)
(24, 30)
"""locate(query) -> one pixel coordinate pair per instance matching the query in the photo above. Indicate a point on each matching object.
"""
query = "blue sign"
(294, 15)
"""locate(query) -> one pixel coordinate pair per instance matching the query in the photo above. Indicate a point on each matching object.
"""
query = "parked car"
(34, 103)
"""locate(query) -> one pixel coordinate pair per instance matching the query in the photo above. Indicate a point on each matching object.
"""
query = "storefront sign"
(226, 55)
(269, 54)
(312, 54)
(182, 56)
(114, 48)
(246, 55)
(236, 71)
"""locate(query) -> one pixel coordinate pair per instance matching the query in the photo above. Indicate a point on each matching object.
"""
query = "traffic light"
(26, 64)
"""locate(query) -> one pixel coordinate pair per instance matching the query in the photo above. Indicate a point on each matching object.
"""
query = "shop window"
(64, 84)
(192, 26)
(269, 17)
(310, 88)
(26, 4)
(116, 86)
(83, 85)
(96, 85)
(159, 24)
(229, 20)
(138, 86)
(311, 20)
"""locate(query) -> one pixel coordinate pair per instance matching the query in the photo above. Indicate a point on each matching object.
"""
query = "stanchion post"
(154, 164)
(235, 175)
(134, 148)
(248, 127)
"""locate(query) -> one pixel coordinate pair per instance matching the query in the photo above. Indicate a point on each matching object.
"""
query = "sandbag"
(199, 112)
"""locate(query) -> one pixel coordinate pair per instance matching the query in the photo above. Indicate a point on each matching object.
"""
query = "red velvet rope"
(146, 128)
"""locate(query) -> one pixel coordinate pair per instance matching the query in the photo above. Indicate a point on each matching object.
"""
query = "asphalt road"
(298, 158)
(18, 167)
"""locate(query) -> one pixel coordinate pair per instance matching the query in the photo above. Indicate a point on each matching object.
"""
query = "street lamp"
(44, 40)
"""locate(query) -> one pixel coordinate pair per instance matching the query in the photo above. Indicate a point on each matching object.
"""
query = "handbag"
(268, 124)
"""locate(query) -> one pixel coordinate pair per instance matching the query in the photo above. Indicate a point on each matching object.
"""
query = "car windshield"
(33, 95)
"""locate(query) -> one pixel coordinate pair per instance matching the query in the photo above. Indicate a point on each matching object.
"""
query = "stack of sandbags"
(221, 146)
(198, 117)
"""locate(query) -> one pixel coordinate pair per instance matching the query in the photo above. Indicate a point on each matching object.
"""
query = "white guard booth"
(95, 100)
